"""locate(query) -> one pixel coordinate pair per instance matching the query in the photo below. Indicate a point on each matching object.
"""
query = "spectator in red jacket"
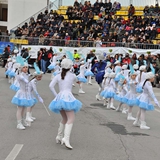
(126, 59)
(131, 11)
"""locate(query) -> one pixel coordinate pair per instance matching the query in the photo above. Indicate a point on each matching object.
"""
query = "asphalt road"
(98, 133)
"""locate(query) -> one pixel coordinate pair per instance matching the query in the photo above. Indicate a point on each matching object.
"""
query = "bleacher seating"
(124, 11)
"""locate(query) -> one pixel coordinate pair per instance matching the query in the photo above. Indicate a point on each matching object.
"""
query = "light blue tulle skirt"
(106, 94)
(118, 98)
(81, 79)
(51, 67)
(88, 73)
(144, 105)
(130, 102)
(23, 102)
(65, 101)
(7, 72)
(55, 73)
(139, 89)
(57, 106)
(11, 74)
(117, 78)
(14, 88)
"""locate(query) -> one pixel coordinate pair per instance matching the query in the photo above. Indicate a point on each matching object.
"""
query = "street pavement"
(98, 133)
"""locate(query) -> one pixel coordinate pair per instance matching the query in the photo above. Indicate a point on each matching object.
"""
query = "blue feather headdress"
(20, 60)
(137, 62)
(145, 62)
(152, 69)
(69, 55)
(36, 68)
(131, 69)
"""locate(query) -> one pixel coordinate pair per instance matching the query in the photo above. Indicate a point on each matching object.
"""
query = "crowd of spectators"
(50, 28)
(151, 10)
(144, 59)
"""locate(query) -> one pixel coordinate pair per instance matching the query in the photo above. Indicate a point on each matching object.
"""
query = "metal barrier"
(72, 43)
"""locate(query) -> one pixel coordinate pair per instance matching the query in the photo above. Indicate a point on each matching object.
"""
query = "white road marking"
(157, 110)
(15, 151)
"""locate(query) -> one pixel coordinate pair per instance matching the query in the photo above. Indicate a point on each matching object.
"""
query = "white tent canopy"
(137, 2)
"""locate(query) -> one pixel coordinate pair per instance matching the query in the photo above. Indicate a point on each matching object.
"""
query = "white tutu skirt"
(65, 101)
(130, 99)
(143, 101)
(23, 99)
(88, 73)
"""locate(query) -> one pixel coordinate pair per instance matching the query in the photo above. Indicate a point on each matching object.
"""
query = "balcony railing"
(23, 40)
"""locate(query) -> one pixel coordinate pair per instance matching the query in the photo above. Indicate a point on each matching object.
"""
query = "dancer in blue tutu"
(117, 70)
(89, 74)
(105, 85)
(8, 68)
(123, 89)
(144, 101)
(22, 98)
(99, 68)
(81, 76)
(110, 91)
(130, 97)
(53, 61)
(108, 68)
(56, 70)
(37, 76)
(15, 85)
(141, 78)
(64, 102)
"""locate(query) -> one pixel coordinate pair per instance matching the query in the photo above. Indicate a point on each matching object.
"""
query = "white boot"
(130, 118)
(136, 123)
(20, 125)
(104, 102)
(89, 82)
(108, 105)
(124, 110)
(25, 123)
(143, 125)
(98, 97)
(111, 106)
(32, 116)
(118, 109)
(81, 91)
(73, 85)
(28, 118)
(67, 133)
(60, 133)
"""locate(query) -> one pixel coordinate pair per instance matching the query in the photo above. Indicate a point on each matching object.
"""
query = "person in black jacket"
(50, 55)
(44, 59)
(5, 56)
(91, 56)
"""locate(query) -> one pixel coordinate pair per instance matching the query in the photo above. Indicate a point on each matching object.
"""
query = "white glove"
(156, 102)
(40, 99)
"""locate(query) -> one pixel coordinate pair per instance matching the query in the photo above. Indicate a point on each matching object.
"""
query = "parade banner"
(33, 50)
